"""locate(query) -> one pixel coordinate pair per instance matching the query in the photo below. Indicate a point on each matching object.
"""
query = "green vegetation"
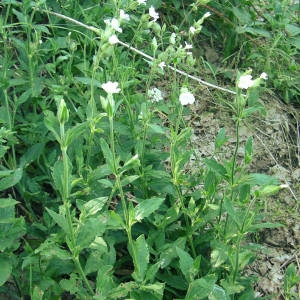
(100, 196)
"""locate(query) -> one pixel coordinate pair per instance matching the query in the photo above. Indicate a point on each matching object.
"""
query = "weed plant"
(97, 201)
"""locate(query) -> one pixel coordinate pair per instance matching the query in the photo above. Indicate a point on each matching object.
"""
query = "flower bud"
(62, 112)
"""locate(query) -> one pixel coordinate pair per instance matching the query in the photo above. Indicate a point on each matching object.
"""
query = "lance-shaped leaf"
(13, 178)
(140, 253)
(52, 124)
(147, 207)
(108, 155)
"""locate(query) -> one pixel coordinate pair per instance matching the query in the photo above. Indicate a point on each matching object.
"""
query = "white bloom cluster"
(245, 82)
(263, 75)
(111, 87)
(186, 97)
(155, 95)
(153, 14)
(196, 28)
(113, 23)
(124, 16)
(113, 39)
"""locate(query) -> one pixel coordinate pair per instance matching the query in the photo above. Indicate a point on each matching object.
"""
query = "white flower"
(206, 15)
(113, 39)
(188, 46)
(245, 82)
(142, 2)
(114, 23)
(186, 97)
(111, 87)
(192, 30)
(155, 95)
(153, 14)
(162, 65)
(123, 15)
(263, 75)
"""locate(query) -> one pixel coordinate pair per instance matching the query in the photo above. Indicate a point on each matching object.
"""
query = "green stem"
(233, 165)
(187, 222)
(66, 202)
(179, 193)
(241, 233)
(13, 163)
(119, 186)
(235, 152)
(81, 273)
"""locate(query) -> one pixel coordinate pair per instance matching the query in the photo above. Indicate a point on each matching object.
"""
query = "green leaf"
(37, 294)
(58, 177)
(105, 282)
(7, 202)
(268, 190)
(201, 288)
(216, 167)
(106, 183)
(258, 107)
(291, 278)
(186, 263)
(156, 129)
(74, 133)
(107, 154)
(115, 221)
(248, 150)
(168, 251)
(93, 206)
(147, 207)
(258, 179)
(254, 31)
(231, 288)
(128, 179)
(24, 97)
(242, 14)
(221, 139)
(149, 292)
(49, 249)
(6, 268)
(59, 219)
(121, 291)
(32, 154)
(11, 179)
(88, 231)
(256, 227)
(232, 212)
(70, 285)
(295, 42)
(52, 124)
(219, 254)
(88, 81)
(151, 272)
(184, 135)
(218, 294)
(292, 29)
(11, 228)
(140, 252)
